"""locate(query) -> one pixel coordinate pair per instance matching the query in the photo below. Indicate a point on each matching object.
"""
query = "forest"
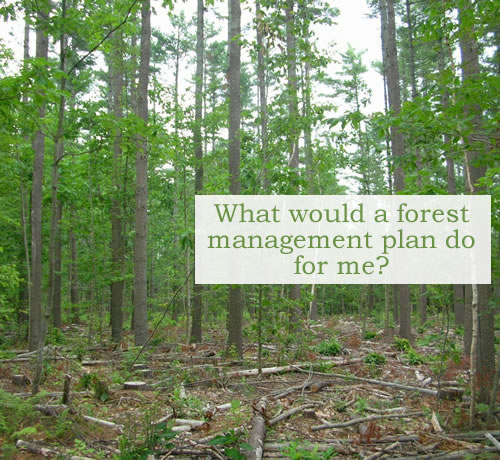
(115, 115)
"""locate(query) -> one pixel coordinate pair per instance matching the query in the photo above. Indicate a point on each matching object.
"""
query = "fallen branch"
(211, 411)
(44, 451)
(314, 386)
(492, 439)
(54, 394)
(365, 419)
(181, 428)
(384, 411)
(35, 448)
(258, 432)
(382, 451)
(105, 423)
(473, 435)
(52, 410)
(163, 419)
(196, 453)
(457, 455)
(191, 423)
(378, 382)
(289, 413)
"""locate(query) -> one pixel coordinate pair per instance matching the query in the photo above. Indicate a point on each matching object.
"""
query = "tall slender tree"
(38, 144)
(262, 95)
(141, 191)
(196, 331)
(397, 141)
(55, 243)
(235, 311)
(475, 170)
(293, 131)
(117, 246)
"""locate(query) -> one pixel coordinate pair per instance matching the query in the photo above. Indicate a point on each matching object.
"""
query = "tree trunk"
(38, 145)
(313, 305)
(458, 289)
(198, 151)
(261, 76)
(74, 297)
(293, 133)
(22, 189)
(422, 303)
(235, 318)
(458, 303)
(395, 304)
(141, 194)
(387, 302)
(117, 246)
(467, 318)
(56, 205)
(392, 71)
(474, 352)
(469, 49)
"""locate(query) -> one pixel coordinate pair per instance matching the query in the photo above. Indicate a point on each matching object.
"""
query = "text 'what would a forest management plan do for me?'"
(339, 239)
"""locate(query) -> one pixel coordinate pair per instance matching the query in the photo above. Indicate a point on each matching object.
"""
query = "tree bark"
(458, 303)
(398, 149)
(471, 70)
(467, 318)
(395, 304)
(257, 435)
(197, 310)
(117, 246)
(422, 302)
(26, 293)
(313, 305)
(293, 132)
(74, 297)
(262, 86)
(38, 145)
(56, 205)
(474, 352)
(141, 194)
(235, 310)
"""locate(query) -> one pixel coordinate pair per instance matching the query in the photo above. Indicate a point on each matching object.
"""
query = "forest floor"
(196, 402)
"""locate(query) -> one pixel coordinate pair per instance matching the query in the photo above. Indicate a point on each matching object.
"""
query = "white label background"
(406, 266)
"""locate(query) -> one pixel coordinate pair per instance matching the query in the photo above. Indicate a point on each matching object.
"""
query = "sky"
(352, 26)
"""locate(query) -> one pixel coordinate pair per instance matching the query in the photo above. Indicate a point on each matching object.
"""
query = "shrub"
(55, 336)
(413, 358)
(374, 358)
(370, 335)
(14, 412)
(401, 344)
(329, 348)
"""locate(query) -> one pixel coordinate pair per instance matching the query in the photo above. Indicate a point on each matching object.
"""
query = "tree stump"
(137, 386)
(20, 380)
(451, 394)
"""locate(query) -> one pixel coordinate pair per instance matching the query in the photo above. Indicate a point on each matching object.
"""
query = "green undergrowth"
(15, 414)
(304, 451)
(329, 348)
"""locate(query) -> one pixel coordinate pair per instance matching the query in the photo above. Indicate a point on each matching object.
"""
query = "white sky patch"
(352, 26)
